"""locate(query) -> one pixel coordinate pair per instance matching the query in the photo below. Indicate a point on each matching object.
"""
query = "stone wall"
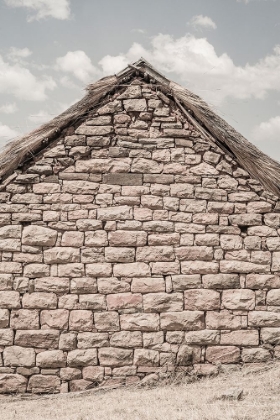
(132, 246)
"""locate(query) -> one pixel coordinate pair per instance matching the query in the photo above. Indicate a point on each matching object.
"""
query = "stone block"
(81, 320)
(9, 300)
(80, 187)
(6, 282)
(127, 238)
(56, 319)
(68, 341)
(255, 355)
(99, 270)
(270, 336)
(36, 270)
(138, 269)
(96, 238)
(240, 338)
(37, 338)
(155, 253)
(203, 337)
(82, 357)
(148, 285)
(89, 340)
(93, 373)
(121, 301)
(201, 299)
(39, 300)
(194, 253)
(238, 299)
(110, 108)
(95, 302)
(242, 267)
(115, 357)
(121, 254)
(139, 322)
(51, 359)
(263, 319)
(68, 374)
(84, 285)
(112, 285)
(182, 282)
(71, 270)
(52, 284)
(126, 339)
(165, 268)
(106, 321)
(87, 225)
(199, 267)
(61, 255)
(122, 179)
(221, 281)
(12, 384)
(146, 166)
(223, 320)
(163, 302)
(42, 384)
(38, 236)
(188, 355)
(135, 105)
(261, 231)
(114, 213)
(230, 242)
(246, 219)
(145, 357)
(6, 337)
(4, 318)
(25, 319)
(223, 354)
(182, 321)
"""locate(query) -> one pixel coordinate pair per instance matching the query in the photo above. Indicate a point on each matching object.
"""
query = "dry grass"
(193, 401)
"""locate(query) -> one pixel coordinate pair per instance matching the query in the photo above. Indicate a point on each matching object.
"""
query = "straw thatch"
(212, 127)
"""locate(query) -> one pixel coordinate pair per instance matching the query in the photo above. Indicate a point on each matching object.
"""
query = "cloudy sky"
(227, 51)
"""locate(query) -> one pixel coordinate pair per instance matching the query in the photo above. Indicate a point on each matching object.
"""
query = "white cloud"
(66, 81)
(16, 53)
(18, 81)
(268, 131)
(58, 9)
(7, 133)
(194, 62)
(202, 22)
(79, 64)
(40, 117)
(8, 108)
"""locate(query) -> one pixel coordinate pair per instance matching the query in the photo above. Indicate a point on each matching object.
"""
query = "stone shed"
(139, 234)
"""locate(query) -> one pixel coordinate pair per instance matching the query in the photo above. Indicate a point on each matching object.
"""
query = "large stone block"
(71, 270)
(122, 179)
(82, 357)
(126, 339)
(84, 285)
(107, 321)
(114, 254)
(165, 268)
(93, 373)
(199, 267)
(81, 320)
(12, 384)
(182, 282)
(148, 285)
(10, 267)
(39, 300)
(52, 284)
(221, 281)
(255, 355)
(223, 354)
(155, 253)
(139, 322)
(182, 321)
(25, 319)
(80, 187)
(242, 267)
(163, 302)
(57, 319)
(202, 299)
(115, 357)
(112, 285)
(88, 130)
(68, 374)
(188, 355)
(194, 253)
(135, 105)
(115, 213)
(44, 384)
(263, 319)
(203, 337)
(60, 255)
(4, 318)
(6, 337)
(240, 338)
(270, 336)
(246, 219)
(145, 357)
(37, 338)
(51, 359)
(230, 242)
(239, 299)
(99, 270)
(137, 269)
(95, 302)
(39, 235)
(146, 166)
(88, 340)
(121, 301)
(127, 238)
(262, 281)
(97, 238)
(9, 300)
(36, 270)
(223, 320)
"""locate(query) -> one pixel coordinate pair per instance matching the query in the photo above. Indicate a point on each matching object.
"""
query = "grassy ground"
(199, 400)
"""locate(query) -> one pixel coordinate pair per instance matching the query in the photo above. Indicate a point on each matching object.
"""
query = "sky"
(226, 51)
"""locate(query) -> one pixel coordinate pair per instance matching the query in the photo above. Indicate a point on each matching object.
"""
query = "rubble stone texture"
(130, 246)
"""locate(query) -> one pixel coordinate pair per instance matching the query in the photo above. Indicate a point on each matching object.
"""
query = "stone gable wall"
(132, 246)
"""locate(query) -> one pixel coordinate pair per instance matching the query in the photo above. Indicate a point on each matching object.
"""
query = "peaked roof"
(212, 127)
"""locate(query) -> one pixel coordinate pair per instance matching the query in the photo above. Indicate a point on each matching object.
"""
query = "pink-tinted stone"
(107, 321)
(182, 321)
(9, 300)
(140, 322)
(39, 300)
(10, 384)
(81, 320)
(37, 338)
(39, 235)
(51, 359)
(82, 357)
(57, 319)
(25, 319)
(44, 384)
(223, 354)
(124, 301)
(202, 299)
(19, 356)
(115, 357)
(238, 299)
(148, 285)
(240, 338)
(163, 302)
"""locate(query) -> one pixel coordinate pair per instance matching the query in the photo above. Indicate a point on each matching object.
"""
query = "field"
(199, 400)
